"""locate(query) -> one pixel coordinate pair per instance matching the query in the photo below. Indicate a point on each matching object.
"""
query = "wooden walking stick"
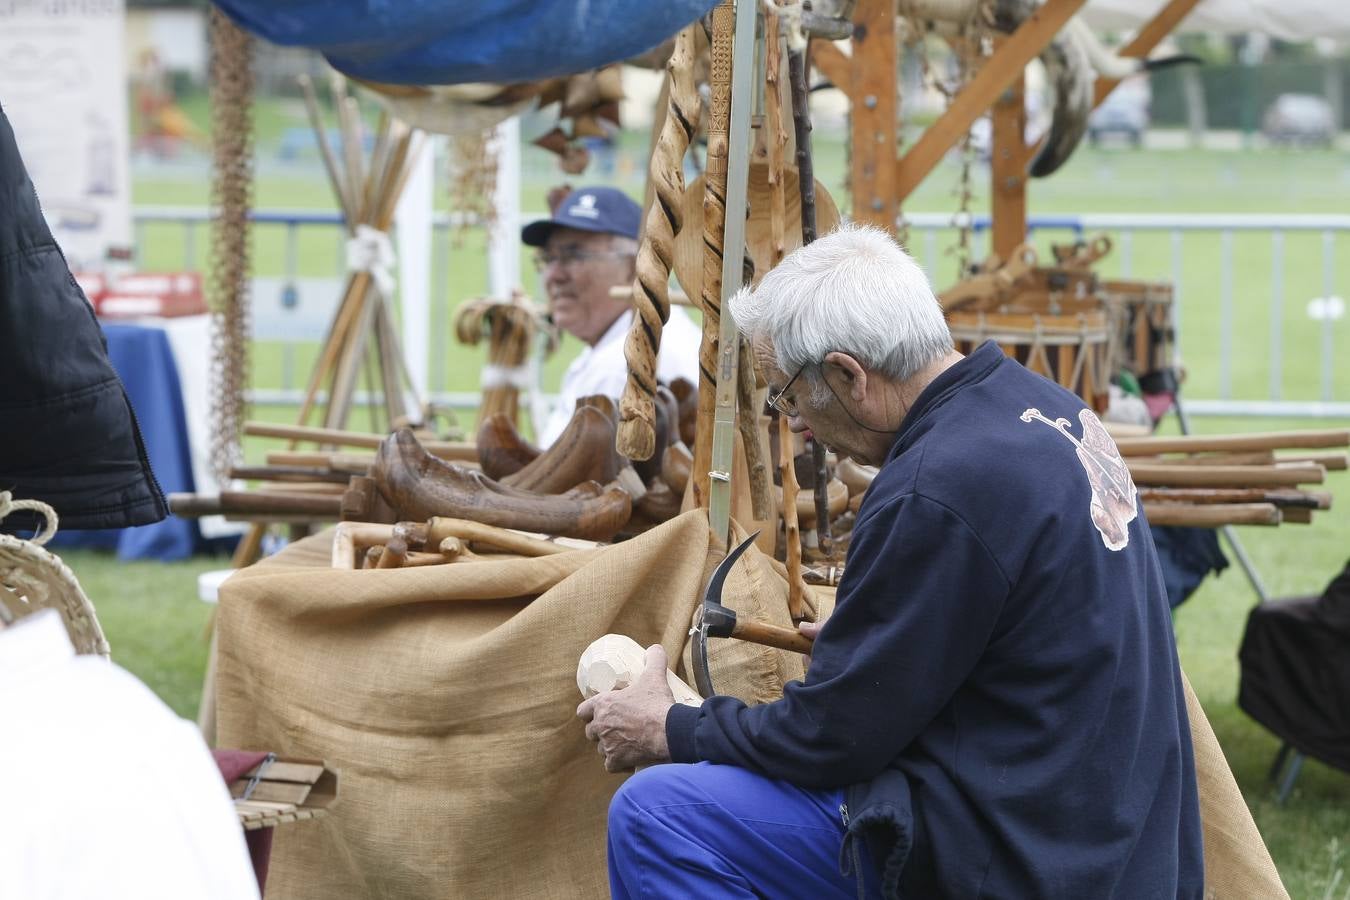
(752, 435)
(801, 120)
(636, 436)
(791, 531)
(714, 227)
(776, 136)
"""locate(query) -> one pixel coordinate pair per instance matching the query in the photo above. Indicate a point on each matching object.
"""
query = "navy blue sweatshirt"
(998, 685)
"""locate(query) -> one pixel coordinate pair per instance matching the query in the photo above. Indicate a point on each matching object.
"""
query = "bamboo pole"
(733, 270)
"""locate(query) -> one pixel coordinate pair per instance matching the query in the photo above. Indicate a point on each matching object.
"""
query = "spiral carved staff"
(636, 437)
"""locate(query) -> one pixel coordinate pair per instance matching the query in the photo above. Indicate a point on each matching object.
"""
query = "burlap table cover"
(445, 696)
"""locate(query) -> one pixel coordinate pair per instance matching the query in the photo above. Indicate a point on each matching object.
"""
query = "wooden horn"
(583, 452)
(420, 486)
(501, 449)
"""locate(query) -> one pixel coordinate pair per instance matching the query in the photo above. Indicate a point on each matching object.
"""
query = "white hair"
(854, 291)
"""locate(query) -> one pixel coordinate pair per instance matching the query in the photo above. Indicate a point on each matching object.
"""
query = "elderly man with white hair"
(994, 709)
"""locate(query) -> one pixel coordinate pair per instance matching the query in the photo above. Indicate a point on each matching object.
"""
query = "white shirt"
(602, 369)
(104, 792)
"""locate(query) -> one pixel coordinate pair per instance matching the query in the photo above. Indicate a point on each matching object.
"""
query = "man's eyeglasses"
(569, 257)
(781, 401)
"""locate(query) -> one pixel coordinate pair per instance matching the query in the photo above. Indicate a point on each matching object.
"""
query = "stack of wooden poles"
(297, 486)
(363, 330)
(1244, 479)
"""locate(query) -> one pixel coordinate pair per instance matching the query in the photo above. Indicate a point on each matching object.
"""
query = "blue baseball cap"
(604, 210)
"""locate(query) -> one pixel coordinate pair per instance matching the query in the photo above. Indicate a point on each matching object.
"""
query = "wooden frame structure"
(882, 180)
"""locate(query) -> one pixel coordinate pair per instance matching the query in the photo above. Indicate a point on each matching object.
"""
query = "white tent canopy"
(1290, 20)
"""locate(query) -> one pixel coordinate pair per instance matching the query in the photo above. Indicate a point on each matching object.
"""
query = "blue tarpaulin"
(456, 42)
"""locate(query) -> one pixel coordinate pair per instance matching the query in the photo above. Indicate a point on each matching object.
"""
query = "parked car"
(1299, 120)
(1124, 112)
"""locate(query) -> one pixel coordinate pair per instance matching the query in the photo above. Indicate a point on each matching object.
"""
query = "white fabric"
(104, 792)
(518, 377)
(370, 250)
(602, 369)
(1290, 20)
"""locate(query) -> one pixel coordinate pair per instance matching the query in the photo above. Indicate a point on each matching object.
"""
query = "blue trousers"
(710, 831)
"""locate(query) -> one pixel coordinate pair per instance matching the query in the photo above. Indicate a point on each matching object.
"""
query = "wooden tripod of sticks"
(363, 329)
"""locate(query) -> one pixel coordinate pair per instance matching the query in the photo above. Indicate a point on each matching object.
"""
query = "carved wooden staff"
(636, 437)
(714, 227)
(752, 435)
(801, 121)
(792, 533)
(776, 142)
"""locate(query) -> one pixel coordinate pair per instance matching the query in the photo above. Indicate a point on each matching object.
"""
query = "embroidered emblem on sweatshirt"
(1113, 491)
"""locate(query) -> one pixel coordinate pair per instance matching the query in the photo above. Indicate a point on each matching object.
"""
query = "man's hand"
(629, 725)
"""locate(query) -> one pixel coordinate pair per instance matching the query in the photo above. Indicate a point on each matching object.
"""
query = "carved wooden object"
(420, 486)
(636, 438)
(614, 661)
(501, 449)
(583, 452)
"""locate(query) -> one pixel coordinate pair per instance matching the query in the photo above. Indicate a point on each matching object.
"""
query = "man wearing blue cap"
(587, 247)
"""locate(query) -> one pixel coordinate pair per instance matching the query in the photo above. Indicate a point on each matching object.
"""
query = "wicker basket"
(33, 579)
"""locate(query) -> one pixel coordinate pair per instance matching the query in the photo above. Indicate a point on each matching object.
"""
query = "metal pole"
(1176, 298)
(1276, 312)
(1328, 287)
(733, 243)
(1226, 315)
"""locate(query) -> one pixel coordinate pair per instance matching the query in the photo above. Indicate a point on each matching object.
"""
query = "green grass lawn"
(156, 625)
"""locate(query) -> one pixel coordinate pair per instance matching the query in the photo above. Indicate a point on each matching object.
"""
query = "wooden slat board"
(288, 791)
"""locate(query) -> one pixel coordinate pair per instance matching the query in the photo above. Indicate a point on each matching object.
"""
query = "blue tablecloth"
(144, 360)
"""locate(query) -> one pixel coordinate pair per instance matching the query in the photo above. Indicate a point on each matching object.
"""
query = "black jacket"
(998, 685)
(69, 435)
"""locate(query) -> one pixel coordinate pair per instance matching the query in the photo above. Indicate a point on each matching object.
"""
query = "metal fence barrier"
(1214, 295)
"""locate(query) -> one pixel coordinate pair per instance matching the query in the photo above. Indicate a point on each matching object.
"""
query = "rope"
(8, 504)
(231, 187)
(636, 436)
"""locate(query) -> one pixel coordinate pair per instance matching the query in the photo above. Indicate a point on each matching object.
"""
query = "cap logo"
(584, 207)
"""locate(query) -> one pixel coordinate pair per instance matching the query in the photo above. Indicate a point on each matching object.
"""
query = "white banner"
(63, 86)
